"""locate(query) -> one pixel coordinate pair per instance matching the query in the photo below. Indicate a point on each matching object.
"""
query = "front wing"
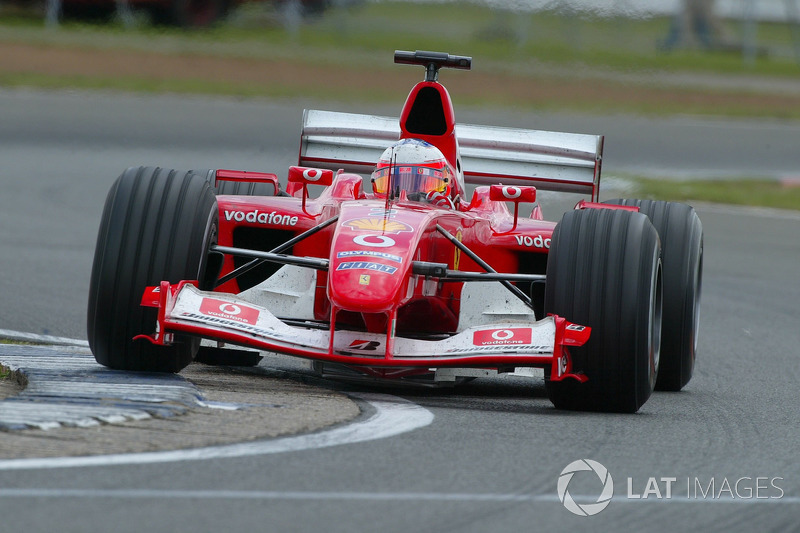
(184, 309)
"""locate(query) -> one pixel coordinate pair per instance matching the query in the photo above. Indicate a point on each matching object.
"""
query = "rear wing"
(554, 161)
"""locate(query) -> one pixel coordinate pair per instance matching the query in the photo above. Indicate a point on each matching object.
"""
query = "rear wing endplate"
(554, 161)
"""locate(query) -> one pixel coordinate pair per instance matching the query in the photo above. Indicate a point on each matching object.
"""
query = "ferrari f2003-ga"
(390, 271)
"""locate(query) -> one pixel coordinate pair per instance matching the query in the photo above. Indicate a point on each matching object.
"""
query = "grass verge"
(12, 341)
(750, 192)
(543, 60)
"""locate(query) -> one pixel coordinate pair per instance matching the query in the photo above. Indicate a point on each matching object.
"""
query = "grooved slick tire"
(604, 271)
(681, 234)
(157, 225)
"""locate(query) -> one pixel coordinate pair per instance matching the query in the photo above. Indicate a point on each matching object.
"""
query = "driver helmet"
(414, 166)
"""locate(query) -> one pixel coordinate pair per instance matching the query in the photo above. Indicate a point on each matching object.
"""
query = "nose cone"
(371, 255)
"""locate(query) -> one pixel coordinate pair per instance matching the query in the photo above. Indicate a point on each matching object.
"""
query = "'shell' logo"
(230, 311)
(490, 337)
(377, 224)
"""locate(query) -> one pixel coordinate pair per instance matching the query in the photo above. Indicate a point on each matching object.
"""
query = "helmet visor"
(410, 178)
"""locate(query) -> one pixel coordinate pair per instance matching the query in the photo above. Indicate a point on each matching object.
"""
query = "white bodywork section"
(490, 302)
(290, 293)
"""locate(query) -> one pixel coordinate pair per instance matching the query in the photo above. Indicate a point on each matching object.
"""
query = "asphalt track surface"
(491, 456)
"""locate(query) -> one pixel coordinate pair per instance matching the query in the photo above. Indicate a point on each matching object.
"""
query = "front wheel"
(604, 271)
(157, 225)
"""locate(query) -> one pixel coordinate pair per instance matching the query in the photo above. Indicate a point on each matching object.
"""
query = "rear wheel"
(157, 225)
(681, 234)
(604, 271)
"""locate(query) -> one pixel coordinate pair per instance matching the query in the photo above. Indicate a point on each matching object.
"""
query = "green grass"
(752, 192)
(605, 65)
(497, 39)
(11, 341)
(539, 48)
(220, 87)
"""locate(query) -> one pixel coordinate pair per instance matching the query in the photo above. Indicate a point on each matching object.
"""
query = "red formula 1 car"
(405, 278)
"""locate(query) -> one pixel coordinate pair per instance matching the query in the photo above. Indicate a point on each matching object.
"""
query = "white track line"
(392, 417)
(353, 496)
(40, 339)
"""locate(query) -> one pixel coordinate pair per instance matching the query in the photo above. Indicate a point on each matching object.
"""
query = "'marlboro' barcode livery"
(405, 278)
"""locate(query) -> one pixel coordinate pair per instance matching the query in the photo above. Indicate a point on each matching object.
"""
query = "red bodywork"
(380, 316)
(366, 232)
